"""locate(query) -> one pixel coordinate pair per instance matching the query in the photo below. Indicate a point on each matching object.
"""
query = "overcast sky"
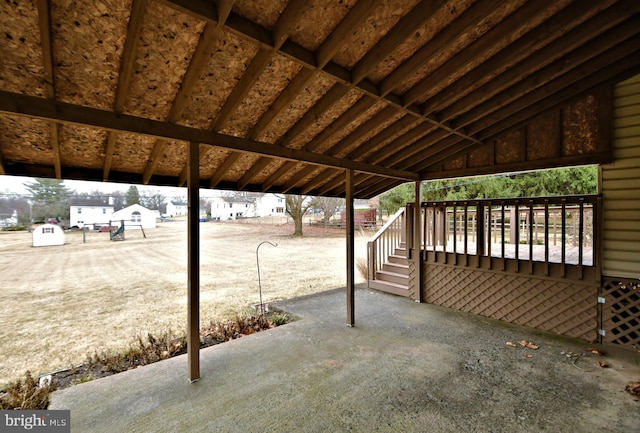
(15, 184)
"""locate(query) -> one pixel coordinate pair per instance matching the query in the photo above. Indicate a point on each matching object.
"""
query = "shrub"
(27, 395)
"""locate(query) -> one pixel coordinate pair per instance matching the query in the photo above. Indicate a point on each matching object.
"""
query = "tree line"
(558, 182)
(51, 199)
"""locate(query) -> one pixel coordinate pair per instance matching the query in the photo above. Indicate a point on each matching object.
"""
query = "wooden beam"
(226, 165)
(285, 168)
(325, 177)
(575, 48)
(260, 165)
(481, 49)
(406, 27)
(44, 25)
(609, 73)
(296, 53)
(374, 143)
(340, 123)
(527, 54)
(447, 36)
(299, 177)
(330, 98)
(193, 268)
(261, 60)
(376, 188)
(30, 106)
(362, 130)
(3, 170)
(563, 161)
(209, 39)
(127, 65)
(350, 232)
(339, 35)
(415, 282)
(400, 143)
(412, 151)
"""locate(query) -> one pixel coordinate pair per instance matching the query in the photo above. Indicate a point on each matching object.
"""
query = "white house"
(270, 205)
(47, 235)
(136, 215)
(90, 212)
(176, 208)
(241, 206)
(232, 207)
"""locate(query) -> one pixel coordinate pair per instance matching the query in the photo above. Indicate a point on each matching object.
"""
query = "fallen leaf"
(597, 351)
(633, 388)
(602, 364)
(510, 344)
(528, 344)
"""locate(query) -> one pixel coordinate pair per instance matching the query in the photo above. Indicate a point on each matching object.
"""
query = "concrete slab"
(403, 367)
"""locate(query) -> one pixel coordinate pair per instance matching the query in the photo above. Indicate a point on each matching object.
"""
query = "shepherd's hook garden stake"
(259, 282)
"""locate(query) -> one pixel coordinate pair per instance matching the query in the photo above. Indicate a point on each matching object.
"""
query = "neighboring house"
(135, 215)
(176, 208)
(47, 235)
(90, 213)
(239, 206)
(270, 205)
(232, 207)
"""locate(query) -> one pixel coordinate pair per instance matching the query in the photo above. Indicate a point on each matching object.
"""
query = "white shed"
(47, 235)
(136, 215)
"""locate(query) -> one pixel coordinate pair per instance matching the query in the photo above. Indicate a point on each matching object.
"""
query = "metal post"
(193, 267)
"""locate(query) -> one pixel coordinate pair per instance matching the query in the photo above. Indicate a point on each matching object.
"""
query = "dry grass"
(61, 303)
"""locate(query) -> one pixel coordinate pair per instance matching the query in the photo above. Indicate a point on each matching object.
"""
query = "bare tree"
(296, 207)
(328, 205)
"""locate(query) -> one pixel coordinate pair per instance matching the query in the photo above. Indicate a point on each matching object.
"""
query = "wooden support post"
(193, 267)
(350, 249)
(417, 244)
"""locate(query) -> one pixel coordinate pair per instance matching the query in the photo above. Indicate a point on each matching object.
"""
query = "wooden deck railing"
(385, 242)
(548, 229)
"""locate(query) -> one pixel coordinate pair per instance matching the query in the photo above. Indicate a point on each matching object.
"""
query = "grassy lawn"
(59, 304)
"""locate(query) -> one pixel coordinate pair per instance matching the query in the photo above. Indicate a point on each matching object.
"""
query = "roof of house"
(285, 96)
(90, 202)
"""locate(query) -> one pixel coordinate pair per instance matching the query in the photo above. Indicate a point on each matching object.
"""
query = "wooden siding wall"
(621, 186)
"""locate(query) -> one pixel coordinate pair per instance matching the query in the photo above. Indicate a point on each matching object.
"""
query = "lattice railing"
(562, 307)
(621, 311)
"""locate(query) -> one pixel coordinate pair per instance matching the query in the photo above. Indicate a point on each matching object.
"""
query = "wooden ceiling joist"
(127, 66)
(30, 106)
(303, 90)
(521, 57)
(44, 24)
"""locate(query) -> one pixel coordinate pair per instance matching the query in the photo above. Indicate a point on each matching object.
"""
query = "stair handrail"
(387, 224)
(374, 253)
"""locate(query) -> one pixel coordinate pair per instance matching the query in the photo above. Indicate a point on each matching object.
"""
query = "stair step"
(392, 277)
(386, 286)
(398, 268)
(400, 259)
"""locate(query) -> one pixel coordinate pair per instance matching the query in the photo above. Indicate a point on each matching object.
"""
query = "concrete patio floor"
(404, 367)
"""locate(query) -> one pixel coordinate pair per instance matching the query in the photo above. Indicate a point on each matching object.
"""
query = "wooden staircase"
(387, 257)
(393, 277)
